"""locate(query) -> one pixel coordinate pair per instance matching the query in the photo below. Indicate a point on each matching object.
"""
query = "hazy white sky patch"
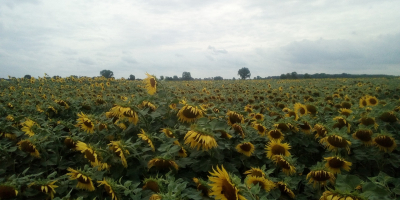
(207, 38)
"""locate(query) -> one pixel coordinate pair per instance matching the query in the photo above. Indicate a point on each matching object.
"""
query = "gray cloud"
(86, 61)
(129, 60)
(217, 51)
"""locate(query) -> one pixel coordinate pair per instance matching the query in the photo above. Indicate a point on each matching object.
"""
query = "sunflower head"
(385, 142)
(111, 187)
(234, 118)
(332, 194)
(335, 163)
(262, 130)
(151, 84)
(7, 191)
(200, 138)
(245, 148)
(168, 132)
(344, 111)
(283, 187)
(277, 148)
(190, 113)
(320, 176)
(336, 141)
(29, 147)
(286, 163)
(264, 183)
(275, 134)
(223, 185)
(255, 172)
(300, 109)
(202, 186)
(372, 101)
(119, 149)
(83, 178)
(45, 186)
(162, 163)
(364, 135)
(152, 184)
(388, 117)
(147, 138)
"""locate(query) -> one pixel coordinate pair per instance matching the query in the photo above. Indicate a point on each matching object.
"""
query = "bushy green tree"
(244, 73)
(131, 77)
(27, 76)
(218, 78)
(186, 76)
(106, 73)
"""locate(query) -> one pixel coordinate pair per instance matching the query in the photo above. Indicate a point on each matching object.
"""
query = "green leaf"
(255, 189)
(347, 182)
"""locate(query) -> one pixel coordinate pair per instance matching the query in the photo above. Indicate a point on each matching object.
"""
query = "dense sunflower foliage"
(88, 138)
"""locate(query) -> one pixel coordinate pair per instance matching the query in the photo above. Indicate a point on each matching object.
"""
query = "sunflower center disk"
(88, 123)
(384, 141)
(275, 134)
(234, 119)
(89, 155)
(278, 150)
(320, 176)
(27, 147)
(363, 135)
(336, 163)
(81, 179)
(245, 147)
(282, 163)
(337, 142)
(188, 113)
(152, 82)
(228, 190)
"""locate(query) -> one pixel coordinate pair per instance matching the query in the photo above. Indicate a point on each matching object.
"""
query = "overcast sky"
(204, 37)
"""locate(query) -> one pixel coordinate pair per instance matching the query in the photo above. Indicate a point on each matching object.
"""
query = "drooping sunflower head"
(277, 148)
(202, 186)
(147, 138)
(364, 135)
(331, 195)
(238, 129)
(286, 163)
(255, 172)
(340, 123)
(200, 139)
(385, 142)
(234, 118)
(152, 184)
(262, 130)
(344, 111)
(320, 131)
(162, 163)
(222, 186)
(29, 147)
(45, 186)
(388, 117)
(368, 121)
(7, 191)
(147, 104)
(336, 141)
(85, 123)
(259, 117)
(276, 134)
(363, 102)
(70, 143)
(245, 148)
(168, 132)
(264, 183)
(300, 109)
(28, 127)
(120, 150)
(83, 178)
(305, 127)
(151, 84)
(320, 176)
(335, 163)
(190, 113)
(283, 187)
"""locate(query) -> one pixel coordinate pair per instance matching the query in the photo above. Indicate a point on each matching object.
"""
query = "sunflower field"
(98, 138)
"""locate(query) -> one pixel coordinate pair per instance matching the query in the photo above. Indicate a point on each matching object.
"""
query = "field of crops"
(100, 138)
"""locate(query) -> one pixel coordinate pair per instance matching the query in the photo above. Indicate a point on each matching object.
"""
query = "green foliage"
(106, 73)
(244, 73)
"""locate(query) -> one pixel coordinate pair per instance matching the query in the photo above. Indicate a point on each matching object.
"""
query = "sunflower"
(388, 117)
(260, 128)
(7, 191)
(372, 101)
(10, 118)
(203, 139)
(277, 148)
(8, 135)
(285, 163)
(255, 172)
(109, 186)
(28, 147)
(344, 111)
(335, 163)
(130, 114)
(224, 134)
(234, 118)
(151, 84)
(320, 177)
(155, 197)
(340, 123)
(70, 143)
(189, 113)
(246, 148)
(84, 181)
(285, 189)
(365, 135)
(264, 183)
(367, 121)
(300, 109)
(202, 186)
(305, 127)
(334, 142)
(291, 113)
(147, 104)
(222, 186)
(275, 134)
(168, 132)
(333, 195)
(238, 129)
(259, 117)
(182, 152)
(27, 127)
(45, 187)
(363, 102)
(162, 163)
(85, 123)
(143, 135)
(320, 131)
(151, 184)
(62, 103)
(385, 142)
(118, 148)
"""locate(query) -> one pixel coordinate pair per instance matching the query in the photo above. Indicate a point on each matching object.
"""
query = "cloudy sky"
(204, 37)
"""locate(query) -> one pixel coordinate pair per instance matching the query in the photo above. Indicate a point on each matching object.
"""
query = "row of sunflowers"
(97, 138)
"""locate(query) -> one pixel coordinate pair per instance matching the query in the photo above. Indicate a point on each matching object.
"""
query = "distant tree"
(259, 77)
(288, 75)
(186, 76)
(244, 73)
(283, 76)
(294, 75)
(131, 77)
(161, 77)
(175, 77)
(106, 73)
(167, 78)
(306, 75)
(233, 78)
(218, 78)
(27, 76)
